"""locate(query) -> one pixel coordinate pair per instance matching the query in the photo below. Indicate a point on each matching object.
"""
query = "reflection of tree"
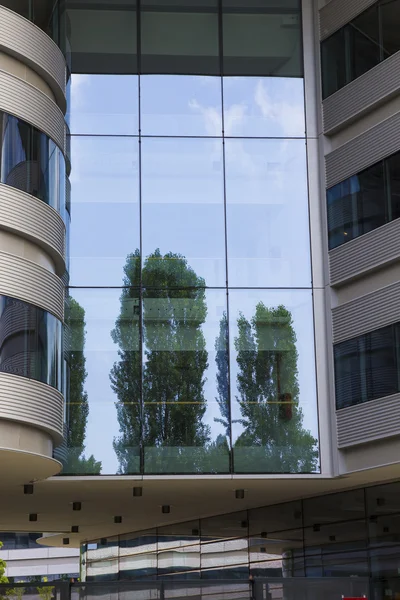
(268, 392)
(77, 398)
(168, 422)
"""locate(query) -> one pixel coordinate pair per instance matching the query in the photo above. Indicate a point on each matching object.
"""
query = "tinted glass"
(30, 342)
(357, 205)
(31, 162)
(393, 178)
(390, 19)
(367, 367)
(179, 38)
(138, 555)
(275, 518)
(46, 14)
(186, 405)
(102, 560)
(274, 426)
(364, 42)
(105, 216)
(335, 71)
(267, 213)
(260, 39)
(180, 105)
(263, 107)
(183, 208)
(344, 506)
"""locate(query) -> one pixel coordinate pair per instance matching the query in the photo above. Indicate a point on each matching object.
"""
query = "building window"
(361, 44)
(364, 201)
(366, 367)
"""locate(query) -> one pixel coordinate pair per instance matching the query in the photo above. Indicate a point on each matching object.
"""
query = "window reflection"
(260, 39)
(267, 213)
(30, 342)
(138, 555)
(183, 205)
(30, 161)
(176, 40)
(264, 107)
(105, 202)
(180, 105)
(274, 427)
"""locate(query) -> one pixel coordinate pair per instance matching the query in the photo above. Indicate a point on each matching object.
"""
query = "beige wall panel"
(19, 69)
(26, 438)
(375, 249)
(25, 280)
(21, 99)
(19, 246)
(32, 46)
(33, 403)
(373, 311)
(32, 218)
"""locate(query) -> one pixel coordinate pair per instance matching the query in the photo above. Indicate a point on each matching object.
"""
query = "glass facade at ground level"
(347, 534)
(190, 334)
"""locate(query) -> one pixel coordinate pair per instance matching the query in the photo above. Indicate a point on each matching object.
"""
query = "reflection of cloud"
(78, 85)
(288, 115)
(212, 117)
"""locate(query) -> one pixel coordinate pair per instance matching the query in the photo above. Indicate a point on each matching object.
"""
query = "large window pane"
(179, 38)
(180, 105)
(185, 392)
(357, 205)
(183, 209)
(224, 546)
(393, 170)
(138, 555)
(275, 518)
(260, 39)
(277, 554)
(343, 506)
(364, 42)
(390, 19)
(105, 209)
(103, 104)
(263, 107)
(267, 213)
(102, 560)
(103, 37)
(335, 71)
(103, 407)
(274, 422)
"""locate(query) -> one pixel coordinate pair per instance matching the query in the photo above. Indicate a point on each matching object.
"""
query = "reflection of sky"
(182, 192)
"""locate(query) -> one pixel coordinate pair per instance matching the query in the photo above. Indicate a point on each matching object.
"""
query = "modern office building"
(200, 286)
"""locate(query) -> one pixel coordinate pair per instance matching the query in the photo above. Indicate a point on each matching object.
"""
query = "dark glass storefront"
(352, 534)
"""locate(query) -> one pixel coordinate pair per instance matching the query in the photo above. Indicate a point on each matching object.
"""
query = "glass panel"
(366, 367)
(263, 107)
(180, 105)
(393, 167)
(178, 535)
(260, 39)
(224, 546)
(344, 506)
(105, 216)
(138, 555)
(274, 421)
(267, 213)
(102, 560)
(179, 38)
(383, 499)
(104, 40)
(30, 342)
(364, 41)
(31, 162)
(390, 23)
(103, 410)
(183, 209)
(275, 518)
(335, 73)
(103, 104)
(275, 555)
(357, 205)
(186, 406)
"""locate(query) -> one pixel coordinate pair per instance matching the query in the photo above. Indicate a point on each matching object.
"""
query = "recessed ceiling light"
(33, 517)
(239, 494)
(166, 509)
(65, 541)
(28, 488)
(117, 519)
(77, 506)
(137, 492)
(75, 529)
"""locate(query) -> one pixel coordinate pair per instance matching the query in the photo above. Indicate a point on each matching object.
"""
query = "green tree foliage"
(273, 437)
(3, 566)
(163, 411)
(77, 398)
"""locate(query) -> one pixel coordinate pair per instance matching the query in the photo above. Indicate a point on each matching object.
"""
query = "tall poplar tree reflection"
(77, 397)
(168, 422)
(273, 438)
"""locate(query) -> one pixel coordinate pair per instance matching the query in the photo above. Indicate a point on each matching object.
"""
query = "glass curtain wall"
(347, 534)
(191, 342)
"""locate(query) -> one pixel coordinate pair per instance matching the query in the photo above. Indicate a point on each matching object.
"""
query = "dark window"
(333, 58)
(366, 367)
(30, 342)
(363, 43)
(390, 23)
